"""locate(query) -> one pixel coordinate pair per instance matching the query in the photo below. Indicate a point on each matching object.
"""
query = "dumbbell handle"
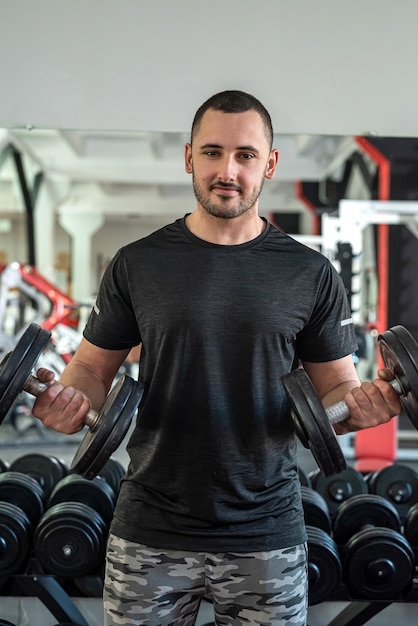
(339, 412)
(35, 387)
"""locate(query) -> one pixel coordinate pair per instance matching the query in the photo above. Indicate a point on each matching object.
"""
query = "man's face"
(230, 157)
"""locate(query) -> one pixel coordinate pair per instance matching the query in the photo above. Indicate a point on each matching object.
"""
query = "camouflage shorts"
(145, 586)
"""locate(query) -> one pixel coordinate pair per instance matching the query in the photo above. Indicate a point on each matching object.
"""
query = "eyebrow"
(215, 145)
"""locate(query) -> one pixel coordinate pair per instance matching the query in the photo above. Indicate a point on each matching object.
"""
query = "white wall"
(323, 66)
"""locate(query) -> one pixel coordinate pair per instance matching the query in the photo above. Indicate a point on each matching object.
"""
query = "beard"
(227, 207)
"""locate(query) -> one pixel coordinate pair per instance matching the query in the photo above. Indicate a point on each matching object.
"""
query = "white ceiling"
(101, 94)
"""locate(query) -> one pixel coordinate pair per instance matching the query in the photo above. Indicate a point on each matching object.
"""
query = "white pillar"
(80, 225)
(51, 194)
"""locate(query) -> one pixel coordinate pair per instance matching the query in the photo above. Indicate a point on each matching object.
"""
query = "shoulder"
(299, 250)
(157, 240)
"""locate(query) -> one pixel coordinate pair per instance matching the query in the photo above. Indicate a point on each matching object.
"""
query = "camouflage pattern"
(149, 587)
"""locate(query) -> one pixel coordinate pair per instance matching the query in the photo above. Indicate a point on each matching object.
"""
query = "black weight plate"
(315, 510)
(312, 423)
(70, 540)
(17, 365)
(304, 478)
(411, 529)
(324, 565)
(15, 538)
(378, 564)
(336, 489)
(24, 492)
(364, 510)
(397, 483)
(411, 525)
(110, 429)
(399, 351)
(46, 470)
(112, 473)
(4, 466)
(96, 494)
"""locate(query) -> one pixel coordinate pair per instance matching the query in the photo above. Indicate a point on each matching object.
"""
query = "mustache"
(220, 183)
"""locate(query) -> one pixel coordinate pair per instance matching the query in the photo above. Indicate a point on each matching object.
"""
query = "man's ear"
(272, 163)
(188, 158)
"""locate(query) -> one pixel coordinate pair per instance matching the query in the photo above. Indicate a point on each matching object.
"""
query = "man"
(223, 305)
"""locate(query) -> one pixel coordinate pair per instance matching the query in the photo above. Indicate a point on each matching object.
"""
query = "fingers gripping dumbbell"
(314, 423)
(107, 427)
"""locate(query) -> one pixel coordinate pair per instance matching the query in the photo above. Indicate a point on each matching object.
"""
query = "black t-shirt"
(213, 454)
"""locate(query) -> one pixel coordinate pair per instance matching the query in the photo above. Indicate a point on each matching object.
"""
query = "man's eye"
(211, 153)
(246, 156)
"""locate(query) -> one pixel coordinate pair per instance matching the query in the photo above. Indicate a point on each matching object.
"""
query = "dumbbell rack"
(60, 602)
(359, 611)
(52, 593)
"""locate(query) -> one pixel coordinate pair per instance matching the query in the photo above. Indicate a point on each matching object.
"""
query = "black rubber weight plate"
(309, 416)
(17, 366)
(399, 351)
(112, 424)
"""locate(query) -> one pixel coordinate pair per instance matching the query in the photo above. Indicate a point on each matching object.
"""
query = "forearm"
(83, 377)
(339, 392)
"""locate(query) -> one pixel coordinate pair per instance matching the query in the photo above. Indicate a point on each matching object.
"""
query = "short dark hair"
(234, 101)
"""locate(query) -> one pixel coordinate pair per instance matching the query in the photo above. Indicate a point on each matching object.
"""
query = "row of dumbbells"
(55, 522)
(362, 531)
(362, 534)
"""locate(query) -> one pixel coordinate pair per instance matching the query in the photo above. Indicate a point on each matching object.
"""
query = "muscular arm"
(84, 383)
(369, 403)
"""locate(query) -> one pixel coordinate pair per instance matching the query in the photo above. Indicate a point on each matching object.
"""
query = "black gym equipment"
(22, 503)
(70, 538)
(112, 473)
(338, 488)
(324, 565)
(315, 509)
(314, 423)
(95, 493)
(106, 428)
(304, 478)
(378, 561)
(411, 529)
(46, 470)
(397, 483)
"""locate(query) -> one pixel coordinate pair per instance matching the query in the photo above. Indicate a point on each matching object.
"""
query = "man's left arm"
(369, 403)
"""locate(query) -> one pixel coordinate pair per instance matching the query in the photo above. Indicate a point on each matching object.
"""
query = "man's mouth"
(225, 190)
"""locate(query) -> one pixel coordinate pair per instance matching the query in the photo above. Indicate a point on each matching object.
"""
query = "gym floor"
(31, 612)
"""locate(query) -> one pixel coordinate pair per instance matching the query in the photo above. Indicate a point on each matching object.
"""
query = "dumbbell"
(397, 483)
(324, 564)
(46, 470)
(338, 488)
(106, 428)
(411, 529)
(70, 538)
(378, 561)
(314, 423)
(22, 503)
(112, 473)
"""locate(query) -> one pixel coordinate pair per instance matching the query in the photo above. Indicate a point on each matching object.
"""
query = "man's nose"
(227, 170)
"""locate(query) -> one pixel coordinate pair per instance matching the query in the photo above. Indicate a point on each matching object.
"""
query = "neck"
(225, 231)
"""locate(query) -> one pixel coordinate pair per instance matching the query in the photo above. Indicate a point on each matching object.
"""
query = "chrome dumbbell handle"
(339, 412)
